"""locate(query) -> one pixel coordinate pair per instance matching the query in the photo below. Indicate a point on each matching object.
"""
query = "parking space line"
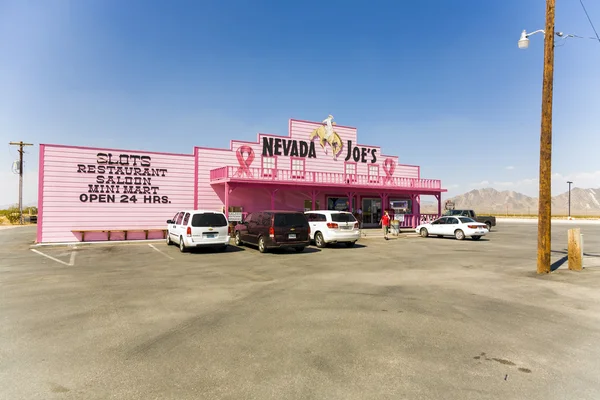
(69, 264)
(164, 254)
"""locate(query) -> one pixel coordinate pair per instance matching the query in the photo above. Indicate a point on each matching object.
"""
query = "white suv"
(332, 227)
(198, 228)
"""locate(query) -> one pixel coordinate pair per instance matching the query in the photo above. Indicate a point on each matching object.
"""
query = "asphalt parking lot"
(406, 318)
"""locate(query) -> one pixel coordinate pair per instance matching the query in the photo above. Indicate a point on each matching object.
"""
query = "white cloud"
(510, 167)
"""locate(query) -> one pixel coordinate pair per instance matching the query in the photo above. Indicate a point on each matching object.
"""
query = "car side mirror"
(170, 221)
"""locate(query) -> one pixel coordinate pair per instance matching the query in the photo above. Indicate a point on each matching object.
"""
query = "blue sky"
(440, 84)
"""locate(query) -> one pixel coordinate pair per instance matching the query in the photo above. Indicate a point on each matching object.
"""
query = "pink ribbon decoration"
(389, 166)
(244, 163)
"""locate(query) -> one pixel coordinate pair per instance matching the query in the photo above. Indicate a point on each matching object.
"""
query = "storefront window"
(308, 205)
(338, 203)
(401, 206)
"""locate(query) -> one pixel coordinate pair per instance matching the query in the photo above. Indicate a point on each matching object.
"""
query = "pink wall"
(68, 202)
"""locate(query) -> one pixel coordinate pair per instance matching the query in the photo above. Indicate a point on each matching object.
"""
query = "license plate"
(292, 236)
(211, 235)
(346, 227)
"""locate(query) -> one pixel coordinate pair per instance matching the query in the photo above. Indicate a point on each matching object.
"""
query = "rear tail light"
(271, 232)
(189, 231)
(474, 226)
(356, 225)
(332, 225)
(309, 229)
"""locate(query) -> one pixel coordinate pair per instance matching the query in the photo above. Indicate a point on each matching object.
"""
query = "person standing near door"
(385, 223)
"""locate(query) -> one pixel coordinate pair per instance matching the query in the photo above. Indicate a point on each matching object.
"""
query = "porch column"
(313, 198)
(417, 209)
(227, 200)
(350, 196)
(384, 201)
(439, 199)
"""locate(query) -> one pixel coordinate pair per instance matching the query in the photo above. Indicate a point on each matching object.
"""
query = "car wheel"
(299, 249)
(182, 247)
(238, 239)
(424, 232)
(350, 244)
(168, 239)
(489, 225)
(261, 244)
(319, 241)
(459, 235)
(475, 237)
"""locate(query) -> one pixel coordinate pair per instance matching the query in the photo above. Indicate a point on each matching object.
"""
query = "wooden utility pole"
(21, 145)
(545, 197)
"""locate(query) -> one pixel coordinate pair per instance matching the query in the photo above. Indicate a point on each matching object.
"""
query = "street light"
(569, 182)
(524, 40)
(545, 190)
(545, 196)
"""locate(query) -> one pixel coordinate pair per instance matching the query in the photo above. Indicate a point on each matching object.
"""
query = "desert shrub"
(12, 214)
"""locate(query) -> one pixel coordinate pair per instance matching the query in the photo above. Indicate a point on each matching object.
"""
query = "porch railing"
(321, 178)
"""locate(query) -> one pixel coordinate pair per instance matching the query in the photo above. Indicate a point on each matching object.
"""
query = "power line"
(589, 19)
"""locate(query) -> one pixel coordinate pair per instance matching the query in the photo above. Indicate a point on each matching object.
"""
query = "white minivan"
(198, 228)
(333, 227)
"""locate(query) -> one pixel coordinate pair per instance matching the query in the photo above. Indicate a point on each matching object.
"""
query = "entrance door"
(371, 209)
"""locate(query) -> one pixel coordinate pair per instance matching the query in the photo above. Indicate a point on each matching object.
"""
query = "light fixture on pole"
(569, 182)
(545, 182)
(545, 194)
(524, 40)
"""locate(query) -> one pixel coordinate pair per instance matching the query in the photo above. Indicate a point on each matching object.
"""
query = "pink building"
(108, 194)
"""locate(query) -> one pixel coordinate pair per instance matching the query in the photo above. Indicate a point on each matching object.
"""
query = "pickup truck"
(487, 219)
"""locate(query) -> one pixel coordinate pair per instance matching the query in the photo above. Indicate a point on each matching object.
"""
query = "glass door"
(371, 209)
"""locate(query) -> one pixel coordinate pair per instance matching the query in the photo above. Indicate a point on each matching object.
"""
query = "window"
(269, 165)
(317, 218)
(297, 168)
(179, 218)
(186, 218)
(350, 169)
(373, 173)
(466, 220)
(338, 203)
(290, 220)
(209, 219)
(308, 206)
(401, 206)
(343, 218)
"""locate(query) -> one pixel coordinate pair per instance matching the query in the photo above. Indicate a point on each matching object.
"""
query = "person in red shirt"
(385, 223)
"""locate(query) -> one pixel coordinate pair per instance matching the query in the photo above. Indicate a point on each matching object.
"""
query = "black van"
(274, 229)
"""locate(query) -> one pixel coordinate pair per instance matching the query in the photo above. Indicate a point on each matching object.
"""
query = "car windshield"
(453, 212)
(291, 219)
(466, 220)
(209, 219)
(343, 217)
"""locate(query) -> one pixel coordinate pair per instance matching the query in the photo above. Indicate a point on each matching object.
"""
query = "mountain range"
(492, 201)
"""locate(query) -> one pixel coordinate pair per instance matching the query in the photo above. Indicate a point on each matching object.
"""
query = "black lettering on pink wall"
(129, 174)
